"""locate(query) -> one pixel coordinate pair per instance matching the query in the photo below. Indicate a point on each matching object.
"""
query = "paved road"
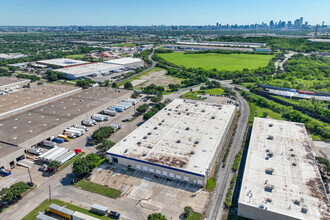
(287, 56)
(225, 174)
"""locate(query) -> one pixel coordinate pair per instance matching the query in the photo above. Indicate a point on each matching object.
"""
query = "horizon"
(150, 13)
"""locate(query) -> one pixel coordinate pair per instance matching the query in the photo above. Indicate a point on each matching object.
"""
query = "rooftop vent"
(178, 141)
(155, 128)
(125, 151)
(213, 117)
(160, 124)
(145, 137)
(138, 143)
(269, 171)
(203, 110)
(196, 142)
(187, 128)
(296, 202)
(270, 137)
(294, 164)
(192, 152)
(291, 149)
(144, 154)
(163, 120)
(304, 209)
(149, 133)
(292, 155)
(270, 125)
(269, 188)
(269, 200)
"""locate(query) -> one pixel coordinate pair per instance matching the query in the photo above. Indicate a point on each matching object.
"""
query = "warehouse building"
(62, 62)
(33, 126)
(93, 69)
(281, 178)
(10, 155)
(128, 62)
(7, 56)
(180, 142)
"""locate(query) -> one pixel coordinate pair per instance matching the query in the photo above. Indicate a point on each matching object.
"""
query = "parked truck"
(110, 112)
(49, 143)
(5, 172)
(129, 104)
(89, 122)
(82, 131)
(58, 140)
(115, 126)
(69, 134)
(133, 101)
(119, 108)
(35, 151)
(123, 106)
(64, 137)
(99, 117)
(75, 132)
(82, 127)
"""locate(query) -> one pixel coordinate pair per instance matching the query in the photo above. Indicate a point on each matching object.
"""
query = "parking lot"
(152, 193)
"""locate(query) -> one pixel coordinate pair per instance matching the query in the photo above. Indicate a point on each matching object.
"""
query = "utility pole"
(30, 175)
(50, 195)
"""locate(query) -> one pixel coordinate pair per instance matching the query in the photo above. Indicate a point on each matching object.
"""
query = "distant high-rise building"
(289, 25)
(271, 24)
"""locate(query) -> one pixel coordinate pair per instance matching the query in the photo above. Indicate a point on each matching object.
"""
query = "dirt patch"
(158, 78)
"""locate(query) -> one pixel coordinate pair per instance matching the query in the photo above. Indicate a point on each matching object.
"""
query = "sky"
(159, 12)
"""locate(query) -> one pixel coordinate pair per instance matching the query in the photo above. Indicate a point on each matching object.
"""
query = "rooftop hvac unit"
(269, 171)
(270, 137)
(269, 188)
(304, 209)
(296, 202)
(270, 125)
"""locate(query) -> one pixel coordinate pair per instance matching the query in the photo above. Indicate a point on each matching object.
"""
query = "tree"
(187, 211)
(101, 133)
(156, 216)
(265, 114)
(93, 160)
(104, 147)
(128, 85)
(54, 164)
(174, 87)
(114, 85)
(12, 68)
(81, 167)
(142, 108)
(148, 115)
(106, 83)
(135, 95)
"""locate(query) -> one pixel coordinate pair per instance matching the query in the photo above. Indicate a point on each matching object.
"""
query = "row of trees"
(13, 193)
(312, 125)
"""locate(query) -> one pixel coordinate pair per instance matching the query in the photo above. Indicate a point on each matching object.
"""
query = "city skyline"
(146, 13)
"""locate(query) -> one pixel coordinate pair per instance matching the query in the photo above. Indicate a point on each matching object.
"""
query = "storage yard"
(36, 125)
(12, 82)
(23, 99)
(281, 178)
(178, 142)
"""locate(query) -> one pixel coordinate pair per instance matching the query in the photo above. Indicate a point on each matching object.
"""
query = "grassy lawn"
(216, 91)
(75, 56)
(156, 69)
(229, 62)
(191, 95)
(194, 216)
(125, 45)
(99, 189)
(70, 161)
(43, 206)
(260, 112)
(194, 95)
(210, 184)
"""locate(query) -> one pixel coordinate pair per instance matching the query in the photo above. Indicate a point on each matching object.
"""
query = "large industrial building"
(180, 142)
(62, 62)
(12, 82)
(10, 155)
(128, 62)
(33, 126)
(93, 69)
(281, 179)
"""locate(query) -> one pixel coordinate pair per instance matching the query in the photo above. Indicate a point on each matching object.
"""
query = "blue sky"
(157, 12)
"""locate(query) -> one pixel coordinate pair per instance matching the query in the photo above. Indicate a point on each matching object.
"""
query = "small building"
(61, 211)
(281, 177)
(127, 62)
(10, 155)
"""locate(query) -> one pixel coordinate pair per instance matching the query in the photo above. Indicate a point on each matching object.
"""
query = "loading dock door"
(178, 177)
(145, 168)
(164, 173)
(157, 171)
(185, 179)
(200, 182)
(172, 175)
(151, 170)
(138, 167)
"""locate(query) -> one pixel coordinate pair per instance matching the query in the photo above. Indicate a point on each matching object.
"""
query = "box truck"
(49, 143)
(82, 127)
(69, 134)
(58, 140)
(82, 131)
(119, 108)
(90, 122)
(123, 106)
(5, 172)
(64, 137)
(99, 117)
(75, 132)
(35, 151)
(110, 112)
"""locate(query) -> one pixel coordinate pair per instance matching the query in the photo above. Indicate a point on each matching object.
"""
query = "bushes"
(27, 76)
(83, 166)
(230, 191)
(210, 184)
(238, 158)
(157, 107)
(100, 134)
(142, 108)
(13, 193)
(156, 216)
(104, 147)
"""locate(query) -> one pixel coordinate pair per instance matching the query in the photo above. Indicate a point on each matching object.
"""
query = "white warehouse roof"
(61, 62)
(88, 69)
(123, 61)
(184, 135)
(281, 177)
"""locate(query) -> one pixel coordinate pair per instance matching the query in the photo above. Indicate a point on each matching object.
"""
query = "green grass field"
(43, 206)
(75, 56)
(96, 188)
(194, 95)
(229, 62)
(260, 112)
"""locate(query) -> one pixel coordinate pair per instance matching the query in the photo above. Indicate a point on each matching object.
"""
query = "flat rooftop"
(26, 96)
(6, 149)
(62, 62)
(184, 135)
(10, 80)
(281, 174)
(24, 126)
(90, 68)
(6, 56)
(123, 61)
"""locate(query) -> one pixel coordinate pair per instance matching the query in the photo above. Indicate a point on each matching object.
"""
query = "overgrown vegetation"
(156, 216)
(11, 195)
(230, 191)
(83, 166)
(210, 183)
(104, 147)
(102, 133)
(27, 76)
(237, 160)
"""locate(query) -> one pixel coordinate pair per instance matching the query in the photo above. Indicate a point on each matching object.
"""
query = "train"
(295, 90)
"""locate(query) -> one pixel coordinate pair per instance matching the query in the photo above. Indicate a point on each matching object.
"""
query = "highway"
(225, 174)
